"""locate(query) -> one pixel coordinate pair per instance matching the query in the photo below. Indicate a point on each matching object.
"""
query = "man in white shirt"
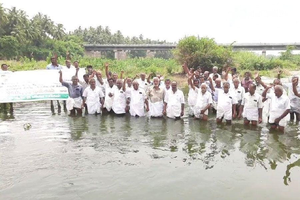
(137, 101)
(119, 98)
(143, 84)
(279, 107)
(238, 91)
(294, 91)
(155, 95)
(174, 102)
(214, 73)
(68, 65)
(4, 69)
(192, 95)
(109, 94)
(93, 98)
(226, 107)
(251, 107)
(203, 103)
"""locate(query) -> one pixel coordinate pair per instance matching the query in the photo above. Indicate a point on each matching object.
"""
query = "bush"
(202, 52)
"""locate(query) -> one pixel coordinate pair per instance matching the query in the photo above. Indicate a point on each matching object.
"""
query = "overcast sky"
(261, 21)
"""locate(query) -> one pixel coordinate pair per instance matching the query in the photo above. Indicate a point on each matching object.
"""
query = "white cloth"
(137, 102)
(294, 100)
(225, 102)
(108, 103)
(238, 92)
(143, 85)
(202, 101)
(93, 99)
(156, 109)
(119, 101)
(72, 103)
(277, 107)
(174, 102)
(192, 96)
(251, 105)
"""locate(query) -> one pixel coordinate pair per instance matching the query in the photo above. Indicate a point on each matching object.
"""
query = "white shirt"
(175, 99)
(119, 101)
(92, 96)
(259, 89)
(192, 96)
(128, 91)
(252, 101)
(109, 100)
(203, 99)
(238, 92)
(278, 105)
(294, 100)
(226, 100)
(137, 97)
(143, 84)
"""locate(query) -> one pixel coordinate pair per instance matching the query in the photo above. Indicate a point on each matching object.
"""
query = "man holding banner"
(74, 102)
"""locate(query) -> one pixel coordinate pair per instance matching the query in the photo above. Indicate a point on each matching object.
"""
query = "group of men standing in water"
(228, 95)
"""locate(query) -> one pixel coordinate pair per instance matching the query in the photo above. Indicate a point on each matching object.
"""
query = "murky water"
(44, 156)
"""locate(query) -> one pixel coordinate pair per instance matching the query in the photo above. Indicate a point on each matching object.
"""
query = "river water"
(45, 156)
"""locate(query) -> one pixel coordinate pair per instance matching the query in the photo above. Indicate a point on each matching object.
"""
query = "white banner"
(34, 85)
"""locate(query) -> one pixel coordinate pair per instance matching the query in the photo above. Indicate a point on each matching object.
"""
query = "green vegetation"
(40, 37)
(202, 52)
(131, 67)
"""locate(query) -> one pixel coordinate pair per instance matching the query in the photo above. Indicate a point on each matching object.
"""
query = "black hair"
(3, 65)
(89, 66)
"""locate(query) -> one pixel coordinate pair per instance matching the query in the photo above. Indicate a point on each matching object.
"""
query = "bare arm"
(60, 76)
(106, 71)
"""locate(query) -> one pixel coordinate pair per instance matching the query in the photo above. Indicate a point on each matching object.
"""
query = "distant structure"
(121, 50)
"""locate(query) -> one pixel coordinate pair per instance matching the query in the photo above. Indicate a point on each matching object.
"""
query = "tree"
(202, 52)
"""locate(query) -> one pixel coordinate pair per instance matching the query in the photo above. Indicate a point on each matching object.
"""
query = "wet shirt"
(75, 91)
(252, 101)
(155, 95)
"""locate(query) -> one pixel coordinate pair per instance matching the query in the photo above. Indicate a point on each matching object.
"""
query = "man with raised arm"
(109, 94)
(74, 101)
(251, 107)
(226, 108)
(119, 98)
(174, 102)
(192, 95)
(279, 107)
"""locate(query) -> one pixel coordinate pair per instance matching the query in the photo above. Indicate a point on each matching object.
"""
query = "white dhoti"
(173, 111)
(251, 114)
(275, 115)
(226, 113)
(197, 111)
(93, 107)
(137, 110)
(156, 109)
(108, 103)
(72, 103)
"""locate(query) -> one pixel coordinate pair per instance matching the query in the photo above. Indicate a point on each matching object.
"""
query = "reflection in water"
(78, 146)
